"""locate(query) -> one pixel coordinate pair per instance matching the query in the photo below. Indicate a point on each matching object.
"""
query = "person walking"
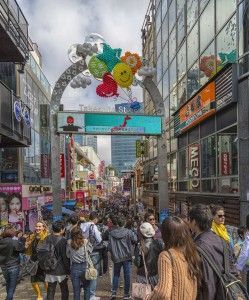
(200, 222)
(179, 265)
(76, 251)
(38, 237)
(150, 218)
(218, 223)
(10, 259)
(73, 222)
(62, 268)
(150, 249)
(120, 246)
(90, 231)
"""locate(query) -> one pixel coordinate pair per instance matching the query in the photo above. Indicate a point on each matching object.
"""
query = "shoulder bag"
(142, 290)
(91, 272)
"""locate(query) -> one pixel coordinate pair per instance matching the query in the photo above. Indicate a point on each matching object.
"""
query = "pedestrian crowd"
(184, 258)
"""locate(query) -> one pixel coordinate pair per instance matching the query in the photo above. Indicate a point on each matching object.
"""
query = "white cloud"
(56, 24)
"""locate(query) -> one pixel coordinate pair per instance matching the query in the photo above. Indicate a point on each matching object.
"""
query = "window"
(166, 108)
(181, 61)
(158, 43)
(229, 185)
(209, 185)
(182, 91)
(224, 9)
(173, 141)
(203, 3)
(172, 74)
(172, 15)
(193, 80)
(208, 63)
(180, 28)
(226, 43)
(183, 164)
(9, 165)
(165, 29)
(193, 50)
(243, 27)
(159, 69)
(173, 174)
(164, 7)
(165, 57)
(158, 19)
(172, 44)
(180, 6)
(173, 102)
(165, 84)
(192, 13)
(208, 157)
(207, 25)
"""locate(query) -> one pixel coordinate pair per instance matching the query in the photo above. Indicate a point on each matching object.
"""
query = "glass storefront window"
(165, 57)
(193, 80)
(244, 65)
(228, 185)
(173, 102)
(180, 28)
(207, 25)
(166, 84)
(243, 28)
(224, 10)
(181, 61)
(172, 44)
(227, 155)
(9, 165)
(209, 185)
(208, 64)
(172, 14)
(172, 74)
(183, 164)
(226, 43)
(183, 186)
(182, 91)
(208, 157)
(192, 13)
(165, 30)
(193, 50)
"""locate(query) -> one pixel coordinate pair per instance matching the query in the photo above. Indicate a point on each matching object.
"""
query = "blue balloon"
(135, 105)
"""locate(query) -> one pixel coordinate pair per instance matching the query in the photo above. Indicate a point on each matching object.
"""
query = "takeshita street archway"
(116, 72)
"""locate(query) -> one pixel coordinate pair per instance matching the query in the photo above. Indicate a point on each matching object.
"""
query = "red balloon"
(108, 88)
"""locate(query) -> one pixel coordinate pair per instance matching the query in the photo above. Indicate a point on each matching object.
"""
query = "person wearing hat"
(150, 248)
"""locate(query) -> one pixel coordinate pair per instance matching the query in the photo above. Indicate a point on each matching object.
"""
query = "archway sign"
(116, 72)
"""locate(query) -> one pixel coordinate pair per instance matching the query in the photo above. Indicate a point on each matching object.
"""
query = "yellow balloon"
(122, 74)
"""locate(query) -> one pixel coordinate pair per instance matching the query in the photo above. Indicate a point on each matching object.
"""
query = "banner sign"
(108, 123)
(196, 110)
(225, 164)
(194, 166)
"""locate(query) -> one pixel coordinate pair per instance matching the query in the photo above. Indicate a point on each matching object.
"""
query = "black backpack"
(46, 255)
(229, 287)
(92, 239)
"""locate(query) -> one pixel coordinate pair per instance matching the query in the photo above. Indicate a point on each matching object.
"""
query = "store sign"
(196, 110)
(226, 88)
(45, 165)
(194, 166)
(62, 165)
(225, 164)
(22, 112)
(112, 123)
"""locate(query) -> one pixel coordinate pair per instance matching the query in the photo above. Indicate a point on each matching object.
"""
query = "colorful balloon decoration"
(122, 74)
(110, 56)
(132, 60)
(135, 105)
(108, 88)
(97, 67)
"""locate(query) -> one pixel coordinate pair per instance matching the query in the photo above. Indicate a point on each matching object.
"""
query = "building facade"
(87, 140)
(201, 58)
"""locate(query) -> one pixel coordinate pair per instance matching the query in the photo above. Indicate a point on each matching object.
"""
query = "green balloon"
(97, 67)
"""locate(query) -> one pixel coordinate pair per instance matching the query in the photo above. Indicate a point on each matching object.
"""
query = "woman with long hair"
(179, 265)
(10, 259)
(40, 234)
(218, 224)
(76, 251)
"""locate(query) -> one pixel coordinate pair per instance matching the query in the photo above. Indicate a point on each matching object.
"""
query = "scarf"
(221, 231)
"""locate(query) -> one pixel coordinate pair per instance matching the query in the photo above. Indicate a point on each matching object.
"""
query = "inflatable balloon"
(97, 67)
(122, 74)
(108, 88)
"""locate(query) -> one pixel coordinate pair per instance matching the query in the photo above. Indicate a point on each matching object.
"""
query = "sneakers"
(127, 297)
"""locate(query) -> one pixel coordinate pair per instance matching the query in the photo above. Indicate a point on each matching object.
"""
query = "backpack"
(229, 287)
(6, 250)
(46, 255)
(92, 239)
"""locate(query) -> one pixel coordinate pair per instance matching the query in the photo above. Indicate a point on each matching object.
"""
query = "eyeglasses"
(151, 219)
(221, 216)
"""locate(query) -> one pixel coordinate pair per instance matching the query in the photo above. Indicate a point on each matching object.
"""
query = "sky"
(54, 25)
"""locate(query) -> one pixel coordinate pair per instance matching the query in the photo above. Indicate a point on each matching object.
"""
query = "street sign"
(108, 123)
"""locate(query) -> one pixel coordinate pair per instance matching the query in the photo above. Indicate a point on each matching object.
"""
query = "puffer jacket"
(152, 250)
(120, 244)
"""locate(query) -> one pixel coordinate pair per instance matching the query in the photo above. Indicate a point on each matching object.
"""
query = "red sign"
(80, 198)
(91, 176)
(45, 165)
(62, 165)
(225, 164)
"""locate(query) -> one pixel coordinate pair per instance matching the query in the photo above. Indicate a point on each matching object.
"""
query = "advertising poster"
(11, 206)
(80, 199)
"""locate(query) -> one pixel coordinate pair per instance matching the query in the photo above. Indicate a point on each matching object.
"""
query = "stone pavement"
(24, 290)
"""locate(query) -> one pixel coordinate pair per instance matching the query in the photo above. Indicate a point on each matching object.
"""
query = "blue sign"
(18, 110)
(26, 117)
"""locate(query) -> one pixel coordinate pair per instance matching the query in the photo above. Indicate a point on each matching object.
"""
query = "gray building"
(200, 50)
(86, 140)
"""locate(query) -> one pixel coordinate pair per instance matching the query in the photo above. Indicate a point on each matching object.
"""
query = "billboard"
(109, 123)
(196, 110)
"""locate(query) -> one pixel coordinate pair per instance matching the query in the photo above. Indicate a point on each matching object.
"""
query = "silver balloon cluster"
(146, 71)
(83, 50)
(80, 81)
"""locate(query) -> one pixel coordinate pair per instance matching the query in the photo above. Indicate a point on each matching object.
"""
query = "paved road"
(24, 290)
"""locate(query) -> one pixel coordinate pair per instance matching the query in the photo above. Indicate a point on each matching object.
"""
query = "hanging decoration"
(208, 65)
(122, 74)
(97, 67)
(110, 56)
(108, 88)
(132, 60)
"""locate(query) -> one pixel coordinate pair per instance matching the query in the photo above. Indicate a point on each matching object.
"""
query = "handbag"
(142, 290)
(31, 267)
(91, 272)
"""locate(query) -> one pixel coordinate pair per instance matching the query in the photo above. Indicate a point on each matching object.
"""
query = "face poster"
(11, 206)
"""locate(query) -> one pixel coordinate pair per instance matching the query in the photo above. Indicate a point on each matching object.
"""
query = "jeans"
(93, 283)
(11, 276)
(52, 288)
(127, 277)
(78, 279)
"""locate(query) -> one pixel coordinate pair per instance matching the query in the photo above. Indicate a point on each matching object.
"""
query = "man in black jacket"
(120, 246)
(62, 269)
(200, 219)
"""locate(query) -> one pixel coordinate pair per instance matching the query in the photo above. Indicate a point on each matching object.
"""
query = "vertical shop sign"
(225, 164)
(45, 141)
(62, 165)
(80, 199)
(194, 166)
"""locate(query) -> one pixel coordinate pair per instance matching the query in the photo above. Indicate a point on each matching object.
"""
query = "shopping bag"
(140, 290)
